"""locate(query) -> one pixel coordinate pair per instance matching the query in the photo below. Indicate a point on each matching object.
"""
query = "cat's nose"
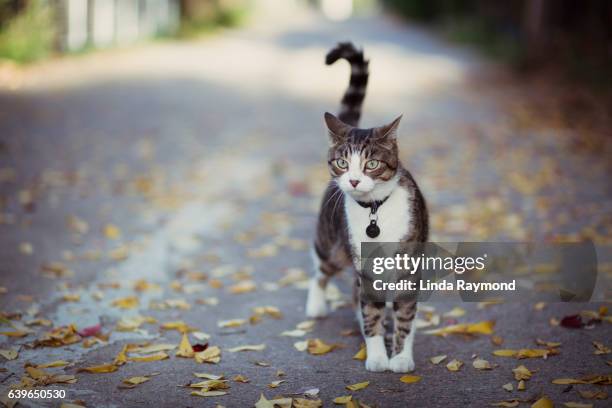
(354, 183)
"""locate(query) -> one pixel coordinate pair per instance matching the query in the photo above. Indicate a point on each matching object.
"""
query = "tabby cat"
(370, 198)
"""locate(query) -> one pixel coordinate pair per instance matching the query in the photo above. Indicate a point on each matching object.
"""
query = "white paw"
(401, 364)
(316, 305)
(377, 363)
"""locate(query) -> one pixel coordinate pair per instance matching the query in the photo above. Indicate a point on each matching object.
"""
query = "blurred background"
(161, 157)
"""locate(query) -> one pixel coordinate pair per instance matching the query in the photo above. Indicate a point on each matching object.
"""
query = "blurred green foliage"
(26, 30)
(200, 17)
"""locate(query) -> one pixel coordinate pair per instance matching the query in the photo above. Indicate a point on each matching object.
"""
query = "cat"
(365, 173)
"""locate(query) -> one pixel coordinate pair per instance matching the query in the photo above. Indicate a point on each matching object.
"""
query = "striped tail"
(350, 109)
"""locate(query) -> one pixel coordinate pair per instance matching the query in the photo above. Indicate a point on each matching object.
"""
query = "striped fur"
(350, 108)
(341, 223)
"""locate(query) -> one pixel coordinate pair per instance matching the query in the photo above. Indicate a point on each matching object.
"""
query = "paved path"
(207, 156)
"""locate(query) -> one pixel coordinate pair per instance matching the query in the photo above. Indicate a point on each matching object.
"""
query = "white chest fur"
(393, 219)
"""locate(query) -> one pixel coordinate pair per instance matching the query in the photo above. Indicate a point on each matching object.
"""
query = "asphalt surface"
(208, 157)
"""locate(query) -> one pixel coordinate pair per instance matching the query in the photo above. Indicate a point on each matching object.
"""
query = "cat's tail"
(350, 108)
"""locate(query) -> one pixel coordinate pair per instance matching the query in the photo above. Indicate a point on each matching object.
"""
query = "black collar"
(374, 205)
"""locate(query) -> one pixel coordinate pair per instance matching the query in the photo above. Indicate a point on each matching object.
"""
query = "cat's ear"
(389, 131)
(337, 128)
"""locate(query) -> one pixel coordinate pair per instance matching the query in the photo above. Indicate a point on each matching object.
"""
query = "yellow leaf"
(526, 353)
(358, 386)
(437, 359)
(454, 365)
(481, 364)
(128, 302)
(455, 312)
(208, 393)
(241, 378)
(209, 376)
(150, 357)
(112, 231)
(567, 381)
(179, 325)
(410, 379)
(9, 354)
(231, 323)
(263, 402)
(543, 402)
(343, 400)
(521, 373)
(307, 403)
(319, 347)
(99, 369)
(485, 327)
(151, 348)
(134, 381)
(506, 404)
(577, 405)
(242, 287)
(57, 363)
(211, 355)
(15, 333)
(256, 347)
(275, 384)
(71, 297)
(185, 349)
(521, 385)
(211, 385)
(362, 354)
(551, 344)
(508, 387)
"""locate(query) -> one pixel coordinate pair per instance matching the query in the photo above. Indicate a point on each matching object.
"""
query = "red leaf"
(572, 322)
(90, 331)
(199, 347)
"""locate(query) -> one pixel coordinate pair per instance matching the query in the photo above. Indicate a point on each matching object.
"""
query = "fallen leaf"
(9, 354)
(455, 312)
(231, 323)
(438, 359)
(497, 340)
(521, 385)
(208, 393)
(485, 327)
(507, 404)
(151, 348)
(57, 363)
(522, 373)
(179, 325)
(319, 347)
(99, 369)
(111, 231)
(275, 384)
(256, 347)
(129, 302)
(600, 395)
(150, 357)
(211, 355)
(241, 379)
(275, 403)
(134, 381)
(577, 405)
(185, 348)
(481, 364)
(301, 345)
(454, 365)
(307, 403)
(550, 344)
(410, 379)
(600, 348)
(209, 376)
(210, 385)
(271, 311)
(362, 354)
(294, 333)
(358, 386)
(543, 402)
(343, 400)
(526, 353)
(508, 387)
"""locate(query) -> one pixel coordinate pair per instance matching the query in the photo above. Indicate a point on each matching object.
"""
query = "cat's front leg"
(371, 316)
(403, 336)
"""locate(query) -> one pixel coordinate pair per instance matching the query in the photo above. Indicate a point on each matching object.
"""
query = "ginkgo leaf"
(508, 387)
(362, 354)
(150, 357)
(111, 231)
(577, 405)
(9, 354)
(263, 402)
(319, 347)
(208, 393)
(410, 379)
(185, 349)
(209, 376)
(522, 373)
(481, 364)
(128, 302)
(242, 287)
(485, 327)
(210, 385)
(454, 365)
(521, 385)
(254, 347)
(526, 353)
(550, 344)
(102, 368)
(588, 394)
(241, 379)
(306, 325)
(231, 323)
(343, 400)
(57, 363)
(567, 381)
(211, 355)
(438, 359)
(358, 386)
(134, 381)
(271, 311)
(152, 348)
(179, 325)
(294, 333)
(543, 402)
(275, 384)
(307, 403)
(301, 345)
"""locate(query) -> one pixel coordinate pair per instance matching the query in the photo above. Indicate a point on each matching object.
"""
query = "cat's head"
(362, 161)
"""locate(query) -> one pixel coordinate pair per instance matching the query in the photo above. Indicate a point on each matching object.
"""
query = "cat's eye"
(341, 164)
(372, 164)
